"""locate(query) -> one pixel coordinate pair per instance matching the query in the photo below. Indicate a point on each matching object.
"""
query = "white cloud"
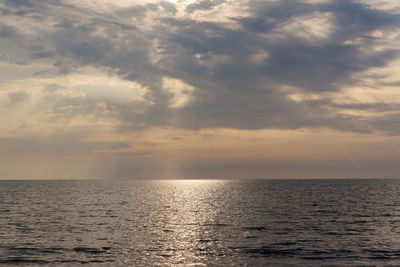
(101, 86)
(179, 92)
(316, 27)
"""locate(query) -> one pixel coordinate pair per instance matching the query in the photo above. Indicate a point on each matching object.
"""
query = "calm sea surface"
(201, 222)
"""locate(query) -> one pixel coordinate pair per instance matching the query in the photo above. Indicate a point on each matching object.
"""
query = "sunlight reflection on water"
(200, 222)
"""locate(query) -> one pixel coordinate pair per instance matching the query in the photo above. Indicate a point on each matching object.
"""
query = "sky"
(199, 89)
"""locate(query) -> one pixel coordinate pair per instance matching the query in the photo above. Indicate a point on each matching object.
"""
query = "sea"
(200, 223)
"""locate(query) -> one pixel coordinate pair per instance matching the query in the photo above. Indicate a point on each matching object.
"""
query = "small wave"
(165, 255)
(329, 254)
(284, 244)
(69, 261)
(361, 216)
(23, 261)
(205, 253)
(254, 228)
(357, 222)
(81, 261)
(270, 252)
(318, 257)
(33, 251)
(91, 250)
(238, 247)
(206, 240)
(383, 254)
(174, 249)
(216, 224)
(340, 233)
(55, 250)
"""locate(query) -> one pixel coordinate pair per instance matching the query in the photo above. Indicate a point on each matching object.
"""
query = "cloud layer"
(253, 65)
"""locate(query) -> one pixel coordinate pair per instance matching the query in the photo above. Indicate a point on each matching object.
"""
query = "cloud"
(204, 5)
(19, 96)
(242, 70)
(7, 31)
(389, 123)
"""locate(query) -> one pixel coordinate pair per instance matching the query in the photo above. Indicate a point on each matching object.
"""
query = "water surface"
(201, 222)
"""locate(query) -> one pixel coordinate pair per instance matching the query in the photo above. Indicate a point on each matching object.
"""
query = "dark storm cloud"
(241, 66)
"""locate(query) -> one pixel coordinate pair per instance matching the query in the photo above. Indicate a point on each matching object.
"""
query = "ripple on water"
(272, 252)
(254, 223)
(91, 250)
(254, 228)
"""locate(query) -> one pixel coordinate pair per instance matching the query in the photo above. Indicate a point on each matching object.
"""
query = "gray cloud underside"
(216, 58)
(204, 5)
(18, 96)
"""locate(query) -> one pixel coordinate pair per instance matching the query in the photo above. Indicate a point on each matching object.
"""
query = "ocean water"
(200, 223)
